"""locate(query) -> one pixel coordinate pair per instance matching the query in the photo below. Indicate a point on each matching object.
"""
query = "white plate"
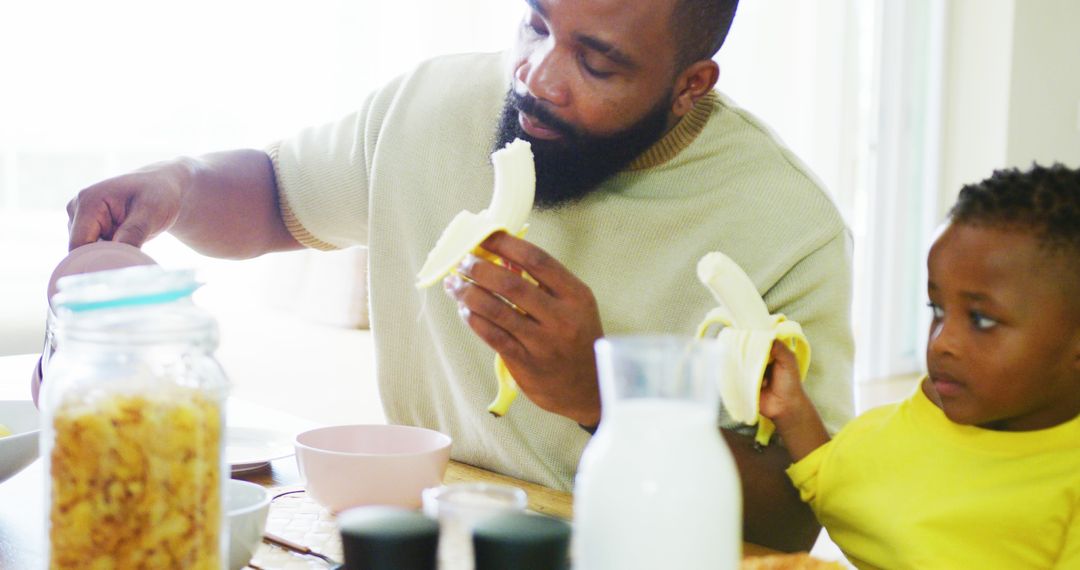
(21, 447)
(249, 448)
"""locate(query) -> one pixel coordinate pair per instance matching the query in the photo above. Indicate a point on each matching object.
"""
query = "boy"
(980, 467)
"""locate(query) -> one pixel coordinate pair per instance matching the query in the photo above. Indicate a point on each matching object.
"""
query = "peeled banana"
(511, 201)
(747, 334)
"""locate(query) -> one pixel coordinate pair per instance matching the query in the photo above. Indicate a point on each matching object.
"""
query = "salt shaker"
(521, 541)
(388, 538)
(459, 507)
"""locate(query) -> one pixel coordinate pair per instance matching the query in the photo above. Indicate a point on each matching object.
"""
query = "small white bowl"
(358, 465)
(247, 505)
(21, 447)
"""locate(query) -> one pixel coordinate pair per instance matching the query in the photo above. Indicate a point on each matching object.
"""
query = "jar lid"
(127, 287)
(97, 256)
(521, 541)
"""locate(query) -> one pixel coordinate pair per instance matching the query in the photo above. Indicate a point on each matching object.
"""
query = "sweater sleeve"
(816, 292)
(322, 176)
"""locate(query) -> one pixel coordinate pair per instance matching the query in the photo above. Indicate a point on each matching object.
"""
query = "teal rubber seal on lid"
(155, 298)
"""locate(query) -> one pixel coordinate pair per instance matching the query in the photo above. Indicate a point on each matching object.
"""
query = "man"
(641, 169)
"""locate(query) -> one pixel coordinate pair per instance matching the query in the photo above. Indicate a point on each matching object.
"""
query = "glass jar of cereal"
(133, 421)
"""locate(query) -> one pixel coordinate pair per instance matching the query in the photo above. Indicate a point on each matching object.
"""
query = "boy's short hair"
(1043, 200)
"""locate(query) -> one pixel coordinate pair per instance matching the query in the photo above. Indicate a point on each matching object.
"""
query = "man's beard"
(570, 168)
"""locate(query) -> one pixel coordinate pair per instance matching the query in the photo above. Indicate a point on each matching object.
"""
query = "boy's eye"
(981, 321)
(936, 310)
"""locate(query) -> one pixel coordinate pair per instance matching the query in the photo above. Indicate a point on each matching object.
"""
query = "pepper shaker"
(388, 538)
(521, 541)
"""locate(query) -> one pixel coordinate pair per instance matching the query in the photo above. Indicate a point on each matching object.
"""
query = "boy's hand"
(782, 393)
(784, 401)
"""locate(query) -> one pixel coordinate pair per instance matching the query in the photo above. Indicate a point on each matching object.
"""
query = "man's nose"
(544, 75)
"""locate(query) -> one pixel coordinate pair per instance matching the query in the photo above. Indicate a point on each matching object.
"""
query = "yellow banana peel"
(4, 431)
(508, 389)
(747, 333)
(511, 201)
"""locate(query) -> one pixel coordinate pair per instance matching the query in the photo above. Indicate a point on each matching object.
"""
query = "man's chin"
(570, 168)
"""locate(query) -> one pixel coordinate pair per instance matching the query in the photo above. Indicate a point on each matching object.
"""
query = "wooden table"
(22, 517)
(283, 473)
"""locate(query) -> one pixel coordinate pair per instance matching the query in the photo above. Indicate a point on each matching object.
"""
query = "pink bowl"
(357, 465)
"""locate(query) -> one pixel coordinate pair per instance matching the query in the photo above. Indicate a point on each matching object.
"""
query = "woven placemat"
(295, 516)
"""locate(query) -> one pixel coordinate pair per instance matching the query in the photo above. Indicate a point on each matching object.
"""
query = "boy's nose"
(942, 341)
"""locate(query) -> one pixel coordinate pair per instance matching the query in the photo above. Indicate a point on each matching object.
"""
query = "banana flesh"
(511, 201)
(747, 333)
(4, 431)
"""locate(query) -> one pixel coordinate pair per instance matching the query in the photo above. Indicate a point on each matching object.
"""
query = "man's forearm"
(773, 514)
(230, 205)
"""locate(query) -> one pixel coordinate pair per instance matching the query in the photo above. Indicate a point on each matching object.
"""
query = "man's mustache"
(531, 106)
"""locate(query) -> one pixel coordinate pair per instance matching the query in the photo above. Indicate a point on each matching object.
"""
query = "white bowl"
(358, 465)
(247, 505)
(21, 447)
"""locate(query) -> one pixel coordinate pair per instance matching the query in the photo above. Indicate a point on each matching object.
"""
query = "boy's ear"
(1076, 352)
(1076, 333)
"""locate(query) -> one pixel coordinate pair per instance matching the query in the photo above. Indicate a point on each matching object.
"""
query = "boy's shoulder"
(881, 416)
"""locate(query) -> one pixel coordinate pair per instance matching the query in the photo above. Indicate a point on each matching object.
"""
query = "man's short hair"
(700, 28)
(1043, 200)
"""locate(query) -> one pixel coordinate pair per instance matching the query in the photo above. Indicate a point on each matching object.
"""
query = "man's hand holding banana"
(540, 319)
(544, 333)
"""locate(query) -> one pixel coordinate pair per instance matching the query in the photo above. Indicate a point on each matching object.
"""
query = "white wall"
(1044, 92)
(1012, 88)
(976, 102)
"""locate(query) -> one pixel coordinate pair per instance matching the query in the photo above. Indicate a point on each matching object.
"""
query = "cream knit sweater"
(392, 175)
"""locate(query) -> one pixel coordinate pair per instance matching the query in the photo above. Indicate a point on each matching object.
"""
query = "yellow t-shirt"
(901, 486)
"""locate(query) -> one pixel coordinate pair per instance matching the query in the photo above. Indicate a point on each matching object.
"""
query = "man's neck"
(678, 136)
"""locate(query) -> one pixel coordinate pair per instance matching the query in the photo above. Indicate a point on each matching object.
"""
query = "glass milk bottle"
(133, 419)
(657, 486)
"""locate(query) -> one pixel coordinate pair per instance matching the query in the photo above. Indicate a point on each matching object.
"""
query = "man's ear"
(1074, 304)
(692, 84)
